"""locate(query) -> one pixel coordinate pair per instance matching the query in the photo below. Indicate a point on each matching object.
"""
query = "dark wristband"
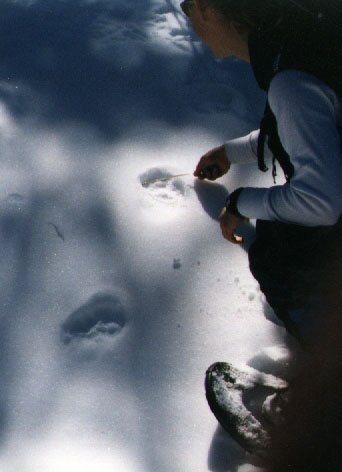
(231, 203)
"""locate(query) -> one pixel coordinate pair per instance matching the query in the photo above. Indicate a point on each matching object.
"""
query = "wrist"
(231, 204)
(223, 158)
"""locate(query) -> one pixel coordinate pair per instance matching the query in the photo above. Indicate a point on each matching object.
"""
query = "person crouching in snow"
(294, 48)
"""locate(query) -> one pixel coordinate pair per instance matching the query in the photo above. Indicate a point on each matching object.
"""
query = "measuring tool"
(206, 173)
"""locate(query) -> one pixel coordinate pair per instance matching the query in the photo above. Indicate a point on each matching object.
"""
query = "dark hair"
(249, 14)
(268, 14)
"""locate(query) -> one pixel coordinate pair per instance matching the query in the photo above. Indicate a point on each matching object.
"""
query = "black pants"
(297, 267)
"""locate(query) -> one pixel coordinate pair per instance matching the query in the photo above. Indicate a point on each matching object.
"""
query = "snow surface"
(117, 296)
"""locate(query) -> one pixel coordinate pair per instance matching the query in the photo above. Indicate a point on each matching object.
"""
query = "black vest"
(313, 46)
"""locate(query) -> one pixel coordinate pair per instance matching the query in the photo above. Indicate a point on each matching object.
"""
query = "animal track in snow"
(103, 315)
(161, 186)
(15, 198)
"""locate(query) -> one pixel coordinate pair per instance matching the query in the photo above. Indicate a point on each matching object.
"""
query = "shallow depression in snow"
(15, 198)
(163, 185)
(102, 315)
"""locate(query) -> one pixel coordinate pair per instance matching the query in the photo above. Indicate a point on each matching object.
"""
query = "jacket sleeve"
(243, 150)
(307, 114)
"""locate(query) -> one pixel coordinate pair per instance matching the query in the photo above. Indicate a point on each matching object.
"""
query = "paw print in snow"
(162, 185)
(102, 316)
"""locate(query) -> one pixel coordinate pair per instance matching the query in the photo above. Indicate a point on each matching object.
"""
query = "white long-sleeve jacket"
(308, 113)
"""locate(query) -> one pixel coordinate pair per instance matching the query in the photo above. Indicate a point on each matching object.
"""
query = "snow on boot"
(273, 407)
(225, 386)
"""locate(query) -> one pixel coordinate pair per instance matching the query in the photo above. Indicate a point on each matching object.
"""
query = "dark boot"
(225, 387)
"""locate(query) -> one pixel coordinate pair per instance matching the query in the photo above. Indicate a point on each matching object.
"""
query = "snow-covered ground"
(117, 292)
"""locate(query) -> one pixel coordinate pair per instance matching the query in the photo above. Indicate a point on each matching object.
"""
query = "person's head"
(224, 25)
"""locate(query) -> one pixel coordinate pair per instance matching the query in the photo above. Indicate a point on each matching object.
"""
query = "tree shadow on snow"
(78, 62)
(30, 240)
(95, 63)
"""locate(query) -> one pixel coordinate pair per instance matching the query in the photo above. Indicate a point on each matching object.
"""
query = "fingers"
(213, 164)
(228, 224)
(211, 172)
(237, 239)
(206, 170)
(232, 237)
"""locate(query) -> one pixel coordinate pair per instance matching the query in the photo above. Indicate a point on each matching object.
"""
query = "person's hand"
(213, 164)
(229, 223)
